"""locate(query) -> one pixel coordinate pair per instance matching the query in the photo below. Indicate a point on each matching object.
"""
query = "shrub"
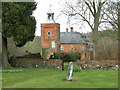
(108, 50)
(45, 52)
(76, 69)
(67, 57)
(36, 55)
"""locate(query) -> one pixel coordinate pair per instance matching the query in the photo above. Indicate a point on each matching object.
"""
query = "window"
(82, 48)
(49, 33)
(62, 48)
(71, 48)
(53, 44)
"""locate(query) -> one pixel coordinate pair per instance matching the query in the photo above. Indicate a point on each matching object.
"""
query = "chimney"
(71, 29)
(66, 29)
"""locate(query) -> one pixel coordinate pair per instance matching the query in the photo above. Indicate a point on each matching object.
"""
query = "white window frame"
(82, 48)
(53, 44)
(62, 48)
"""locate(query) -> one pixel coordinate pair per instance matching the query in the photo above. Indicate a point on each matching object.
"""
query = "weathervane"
(50, 7)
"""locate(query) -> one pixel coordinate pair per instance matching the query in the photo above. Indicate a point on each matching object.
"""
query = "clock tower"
(50, 34)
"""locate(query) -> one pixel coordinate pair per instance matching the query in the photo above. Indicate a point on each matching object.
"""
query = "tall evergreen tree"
(17, 22)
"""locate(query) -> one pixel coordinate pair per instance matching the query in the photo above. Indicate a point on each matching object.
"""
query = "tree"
(119, 30)
(113, 18)
(108, 50)
(89, 11)
(0, 16)
(17, 22)
(112, 14)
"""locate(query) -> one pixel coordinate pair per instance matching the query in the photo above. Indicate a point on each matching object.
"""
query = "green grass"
(47, 78)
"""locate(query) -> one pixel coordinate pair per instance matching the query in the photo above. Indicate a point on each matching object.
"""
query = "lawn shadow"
(68, 80)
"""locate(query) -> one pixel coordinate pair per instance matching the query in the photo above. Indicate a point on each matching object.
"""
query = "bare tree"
(108, 50)
(111, 14)
(119, 29)
(113, 18)
(89, 11)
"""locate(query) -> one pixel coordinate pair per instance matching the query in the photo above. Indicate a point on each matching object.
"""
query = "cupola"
(50, 18)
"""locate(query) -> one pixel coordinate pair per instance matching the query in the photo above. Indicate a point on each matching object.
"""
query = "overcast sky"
(40, 14)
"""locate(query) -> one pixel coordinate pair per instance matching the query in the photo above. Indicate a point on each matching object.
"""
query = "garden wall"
(98, 64)
(37, 63)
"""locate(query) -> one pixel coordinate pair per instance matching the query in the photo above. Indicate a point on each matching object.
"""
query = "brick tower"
(50, 34)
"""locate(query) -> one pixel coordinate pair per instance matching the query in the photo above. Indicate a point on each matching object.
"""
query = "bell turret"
(50, 18)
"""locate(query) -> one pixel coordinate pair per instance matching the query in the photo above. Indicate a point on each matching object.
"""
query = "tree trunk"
(95, 41)
(119, 30)
(95, 35)
(119, 20)
(5, 63)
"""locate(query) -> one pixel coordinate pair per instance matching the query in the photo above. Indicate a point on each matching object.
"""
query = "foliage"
(108, 50)
(47, 78)
(29, 48)
(108, 33)
(18, 22)
(76, 69)
(34, 46)
(107, 44)
(67, 57)
(103, 35)
(35, 55)
(46, 52)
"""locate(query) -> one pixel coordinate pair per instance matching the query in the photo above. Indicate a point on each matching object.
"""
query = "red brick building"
(53, 39)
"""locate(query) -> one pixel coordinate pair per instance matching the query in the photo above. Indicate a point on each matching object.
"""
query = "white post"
(70, 71)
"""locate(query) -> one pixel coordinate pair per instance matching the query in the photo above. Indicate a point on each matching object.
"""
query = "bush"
(76, 69)
(36, 55)
(67, 57)
(108, 50)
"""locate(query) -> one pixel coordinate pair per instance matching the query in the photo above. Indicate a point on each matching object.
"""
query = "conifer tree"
(17, 22)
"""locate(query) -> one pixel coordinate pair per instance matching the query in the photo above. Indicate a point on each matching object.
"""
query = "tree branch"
(86, 21)
(89, 8)
(94, 6)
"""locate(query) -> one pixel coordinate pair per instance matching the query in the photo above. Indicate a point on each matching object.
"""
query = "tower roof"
(50, 18)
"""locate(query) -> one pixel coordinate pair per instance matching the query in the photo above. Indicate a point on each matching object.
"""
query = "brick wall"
(102, 62)
(37, 63)
(98, 64)
(76, 47)
(46, 40)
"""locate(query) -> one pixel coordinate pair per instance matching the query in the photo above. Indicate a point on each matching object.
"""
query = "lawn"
(47, 78)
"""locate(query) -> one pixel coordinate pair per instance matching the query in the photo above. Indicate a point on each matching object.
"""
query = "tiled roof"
(71, 38)
(75, 38)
